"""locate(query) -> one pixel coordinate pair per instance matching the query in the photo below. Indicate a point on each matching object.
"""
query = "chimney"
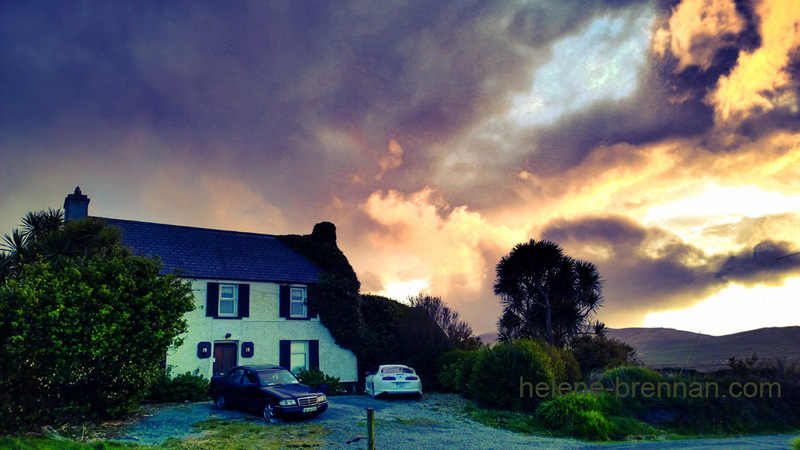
(76, 205)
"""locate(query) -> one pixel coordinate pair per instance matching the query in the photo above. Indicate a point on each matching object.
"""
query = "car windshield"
(397, 369)
(276, 377)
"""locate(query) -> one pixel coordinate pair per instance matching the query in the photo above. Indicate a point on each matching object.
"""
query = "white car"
(393, 379)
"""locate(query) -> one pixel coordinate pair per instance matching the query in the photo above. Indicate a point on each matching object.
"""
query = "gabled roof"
(217, 254)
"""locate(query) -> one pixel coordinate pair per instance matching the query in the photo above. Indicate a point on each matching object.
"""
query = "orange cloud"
(759, 82)
(423, 239)
(696, 30)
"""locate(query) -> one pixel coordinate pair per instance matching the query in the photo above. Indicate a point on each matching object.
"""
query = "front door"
(224, 356)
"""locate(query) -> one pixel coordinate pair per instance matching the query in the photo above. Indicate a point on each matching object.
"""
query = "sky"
(659, 140)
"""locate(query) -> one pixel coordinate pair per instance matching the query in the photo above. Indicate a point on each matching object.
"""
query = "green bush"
(315, 377)
(631, 376)
(85, 341)
(560, 413)
(499, 372)
(565, 366)
(580, 414)
(594, 426)
(626, 383)
(187, 386)
(598, 353)
(796, 443)
(448, 377)
(456, 367)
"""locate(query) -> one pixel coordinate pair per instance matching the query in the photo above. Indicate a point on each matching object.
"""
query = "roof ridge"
(217, 230)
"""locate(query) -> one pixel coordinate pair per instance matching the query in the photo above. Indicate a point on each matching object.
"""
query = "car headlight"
(321, 398)
(289, 402)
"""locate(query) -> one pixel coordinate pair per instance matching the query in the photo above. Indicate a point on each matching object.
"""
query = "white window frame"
(294, 351)
(234, 300)
(293, 302)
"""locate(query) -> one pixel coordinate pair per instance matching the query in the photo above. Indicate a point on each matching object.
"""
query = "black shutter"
(212, 300)
(313, 354)
(283, 301)
(244, 300)
(285, 354)
(311, 312)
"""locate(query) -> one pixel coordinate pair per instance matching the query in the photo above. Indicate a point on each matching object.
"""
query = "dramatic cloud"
(656, 268)
(660, 140)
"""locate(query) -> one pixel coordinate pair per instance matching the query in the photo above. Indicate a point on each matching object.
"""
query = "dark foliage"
(318, 380)
(545, 293)
(85, 341)
(458, 332)
(596, 353)
(187, 386)
(499, 371)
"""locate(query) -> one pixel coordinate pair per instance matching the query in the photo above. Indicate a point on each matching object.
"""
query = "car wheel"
(220, 402)
(269, 413)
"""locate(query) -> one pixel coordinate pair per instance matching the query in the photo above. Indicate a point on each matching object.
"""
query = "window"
(297, 302)
(228, 300)
(236, 377)
(299, 356)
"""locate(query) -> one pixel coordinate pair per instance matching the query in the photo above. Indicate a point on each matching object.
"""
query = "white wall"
(264, 328)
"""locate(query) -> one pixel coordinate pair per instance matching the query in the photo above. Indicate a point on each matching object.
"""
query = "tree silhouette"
(46, 236)
(545, 293)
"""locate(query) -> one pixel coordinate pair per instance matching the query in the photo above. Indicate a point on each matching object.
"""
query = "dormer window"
(228, 299)
(297, 301)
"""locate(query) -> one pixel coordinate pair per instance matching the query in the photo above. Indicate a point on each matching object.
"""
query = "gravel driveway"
(435, 422)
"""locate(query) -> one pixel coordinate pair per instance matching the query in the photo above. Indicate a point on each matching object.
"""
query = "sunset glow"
(660, 142)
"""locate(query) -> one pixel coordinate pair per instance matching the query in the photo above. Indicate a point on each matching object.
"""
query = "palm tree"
(37, 225)
(45, 235)
(13, 251)
(545, 293)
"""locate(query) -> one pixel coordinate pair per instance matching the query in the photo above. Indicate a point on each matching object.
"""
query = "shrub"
(456, 367)
(598, 353)
(498, 373)
(560, 413)
(448, 377)
(593, 425)
(580, 414)
(565, 367)
(187, 386)
(626, 383)
(315, 377)
(85, 341)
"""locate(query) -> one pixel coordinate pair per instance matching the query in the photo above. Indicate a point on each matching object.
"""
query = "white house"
(250, 294)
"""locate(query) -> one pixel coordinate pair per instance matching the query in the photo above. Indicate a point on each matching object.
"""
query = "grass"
(51, 443)
(218, 434)
(226, 434)
(528, 423)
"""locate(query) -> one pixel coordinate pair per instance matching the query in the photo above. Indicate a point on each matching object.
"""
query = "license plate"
(399, 384)
(310, 409)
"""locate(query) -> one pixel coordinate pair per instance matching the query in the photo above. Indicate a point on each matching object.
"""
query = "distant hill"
(667, 347)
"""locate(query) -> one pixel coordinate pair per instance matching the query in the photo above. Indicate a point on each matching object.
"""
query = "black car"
(271, 391)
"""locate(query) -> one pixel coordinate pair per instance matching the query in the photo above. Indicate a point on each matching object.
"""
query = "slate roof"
(205, 253)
